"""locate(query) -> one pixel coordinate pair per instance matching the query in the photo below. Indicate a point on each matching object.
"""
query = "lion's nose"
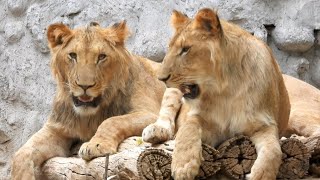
(85, 87)
(164, 79)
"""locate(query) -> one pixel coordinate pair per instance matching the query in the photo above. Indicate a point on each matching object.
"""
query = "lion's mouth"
(86, 100)
(190, 91)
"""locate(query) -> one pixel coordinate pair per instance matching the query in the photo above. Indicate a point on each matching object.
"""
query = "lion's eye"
(185, 50)
(72, 56)
(101, 57)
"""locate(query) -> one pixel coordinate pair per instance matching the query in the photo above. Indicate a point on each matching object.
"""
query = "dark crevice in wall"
(269, 28)
(316, 33)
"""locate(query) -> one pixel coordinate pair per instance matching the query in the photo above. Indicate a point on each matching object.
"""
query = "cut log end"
(210, 166)
(154, 164)
(313, 145)
(295, 159)
(237, 157)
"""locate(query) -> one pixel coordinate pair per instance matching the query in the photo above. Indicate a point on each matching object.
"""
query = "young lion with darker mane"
(231, 85)
(104, 94)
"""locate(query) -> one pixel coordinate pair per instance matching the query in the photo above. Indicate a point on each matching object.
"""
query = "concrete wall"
(291, 28)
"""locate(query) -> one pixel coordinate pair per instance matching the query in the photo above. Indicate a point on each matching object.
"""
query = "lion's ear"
(178, 20)
(208, 20)
(118, 33)
(58, 34)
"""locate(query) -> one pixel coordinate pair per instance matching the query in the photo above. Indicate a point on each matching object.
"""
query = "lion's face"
(86, 62)
(193, 57)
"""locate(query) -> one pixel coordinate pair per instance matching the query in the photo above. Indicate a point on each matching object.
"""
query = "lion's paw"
(90, 150)
(185, 171)
(156, 133)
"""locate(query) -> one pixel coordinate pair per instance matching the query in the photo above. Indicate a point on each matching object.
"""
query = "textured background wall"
(291, 28)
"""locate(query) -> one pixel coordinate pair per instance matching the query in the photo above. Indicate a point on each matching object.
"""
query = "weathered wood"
(237, 157)
(313, 145)
(137, 158)
(156, 163)
(295, 159)
(210, 166)
(121, 165)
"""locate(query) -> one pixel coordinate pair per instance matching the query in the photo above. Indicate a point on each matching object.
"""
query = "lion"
(231, 84)
(305, 108)
(104, 94)
(304, 117)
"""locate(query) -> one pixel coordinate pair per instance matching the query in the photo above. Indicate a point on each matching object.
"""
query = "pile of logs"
(233, 159)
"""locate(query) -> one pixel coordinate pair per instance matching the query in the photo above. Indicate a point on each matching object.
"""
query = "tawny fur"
(304, 115)
(130, 97)
(305, 108)
(241, 92)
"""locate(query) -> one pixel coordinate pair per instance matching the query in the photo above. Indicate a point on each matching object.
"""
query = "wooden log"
(295, 159)
(156, 163)
(237, 156)
(122, 165)
(313, 145)
(138, 160)
(210, 166)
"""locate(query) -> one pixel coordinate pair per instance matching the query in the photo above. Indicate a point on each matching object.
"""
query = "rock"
(2, 45)
(261, 33)
(315, 72)
(14, 31)
(292, 38)
(296, 66)
(4, 87)
(17, 7)
(317, 35)
(307, 17)
(34, 124)
(3, 137)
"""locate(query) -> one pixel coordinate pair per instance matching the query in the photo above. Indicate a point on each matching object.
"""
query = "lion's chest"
(224, 119)
(87, 127)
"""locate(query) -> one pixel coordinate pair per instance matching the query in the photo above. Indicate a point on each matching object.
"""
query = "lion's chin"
(86, 110)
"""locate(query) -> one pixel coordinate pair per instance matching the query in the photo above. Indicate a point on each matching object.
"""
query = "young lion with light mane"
(104, 94)
(231, 85)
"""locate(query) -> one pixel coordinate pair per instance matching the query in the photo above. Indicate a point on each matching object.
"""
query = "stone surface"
(293, 38)
(17, 7)
(3, 137)
(14, 31)
(291, 28)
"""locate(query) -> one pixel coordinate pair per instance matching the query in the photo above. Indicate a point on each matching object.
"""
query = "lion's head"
(89, 64)
(194, 54)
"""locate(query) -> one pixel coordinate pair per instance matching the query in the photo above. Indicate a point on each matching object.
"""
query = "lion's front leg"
(44, 144)
(113, 131)
(268, 148)
(187, 154)
(164, 128)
